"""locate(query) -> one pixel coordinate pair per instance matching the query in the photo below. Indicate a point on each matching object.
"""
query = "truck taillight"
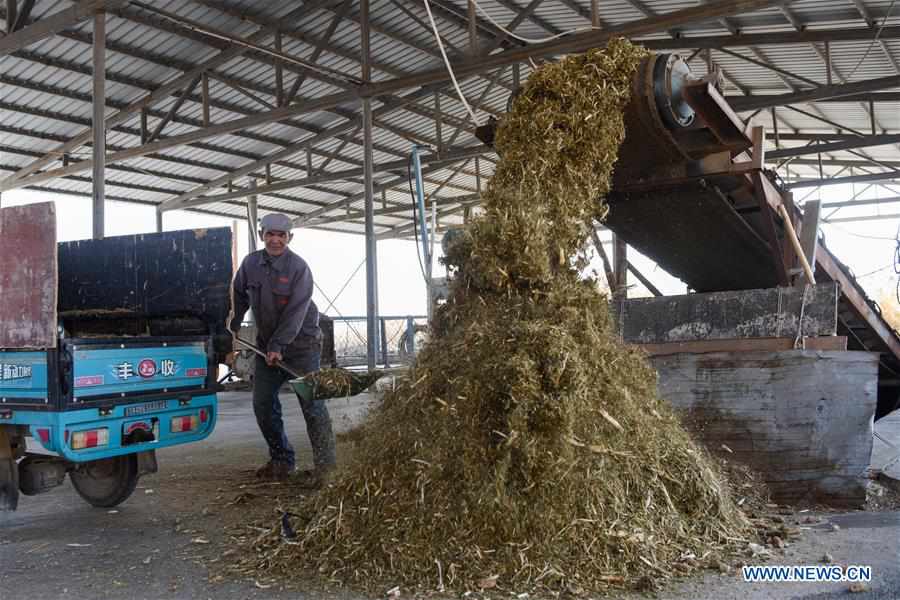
(44, 434)
(92, 438)
(182, 424)
(203, 415)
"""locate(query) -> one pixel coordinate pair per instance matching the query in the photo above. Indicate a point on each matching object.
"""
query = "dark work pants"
(267, 407)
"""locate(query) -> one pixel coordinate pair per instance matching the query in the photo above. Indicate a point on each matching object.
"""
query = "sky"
(868, 247)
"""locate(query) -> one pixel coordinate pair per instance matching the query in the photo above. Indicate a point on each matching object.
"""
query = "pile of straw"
(528, 448)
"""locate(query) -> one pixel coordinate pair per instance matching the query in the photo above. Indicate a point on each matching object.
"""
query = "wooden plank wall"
(28, 276)
(802, 418)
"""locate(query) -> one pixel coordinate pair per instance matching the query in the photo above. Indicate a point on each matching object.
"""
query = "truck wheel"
(108, 482)
(9, 484)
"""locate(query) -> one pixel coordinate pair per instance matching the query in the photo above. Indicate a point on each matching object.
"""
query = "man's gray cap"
(275, 222)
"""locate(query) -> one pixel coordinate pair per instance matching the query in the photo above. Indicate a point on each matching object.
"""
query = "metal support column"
(473, 28)
(12, 11)
(384, 343)
(368, 159)
(159, 220)
(620, 267)
(145, 133)
(98, 123)
(252, 216)
(204, 98)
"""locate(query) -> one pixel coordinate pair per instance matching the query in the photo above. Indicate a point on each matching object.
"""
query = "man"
(278, 285)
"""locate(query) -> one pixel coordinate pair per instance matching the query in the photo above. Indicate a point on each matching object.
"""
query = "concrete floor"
(56, 546)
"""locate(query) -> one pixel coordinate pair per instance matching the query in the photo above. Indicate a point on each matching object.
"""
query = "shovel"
(322, 385)
(257, 350)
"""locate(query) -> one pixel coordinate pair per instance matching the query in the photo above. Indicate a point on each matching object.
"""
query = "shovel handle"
(254, 348)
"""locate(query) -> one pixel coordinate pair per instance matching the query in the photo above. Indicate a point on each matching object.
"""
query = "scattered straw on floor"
(528, 448)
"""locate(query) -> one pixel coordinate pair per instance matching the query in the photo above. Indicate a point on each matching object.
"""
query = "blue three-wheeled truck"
(108, 351)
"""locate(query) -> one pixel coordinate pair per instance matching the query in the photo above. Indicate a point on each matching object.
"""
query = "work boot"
(274, 471)
(313, 479)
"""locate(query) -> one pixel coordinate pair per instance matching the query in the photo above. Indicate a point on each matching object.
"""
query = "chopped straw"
(528, 448)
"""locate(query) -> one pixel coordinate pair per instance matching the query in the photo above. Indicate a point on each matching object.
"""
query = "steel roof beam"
(404, 179)
(767, 64)
(866, 218)
(186, 197)
(401, 230)
(766, 39)
(323, 134)
(840, 162)
(816, 94)
(240, 207)
(521, 15)
(152, 172)
(50, 25)
(183, 31)
(228, 127)
(832, 69)
(22, 16)
(214, 37)
(825, 120)
(889, 175)
(12, 14)
(182, 96)
(162, 191)
(351, 55)
(124, 114)
(397, 165)
(872, 22)
(573, 43)
(319, 48)
(342, 113)
(866, 97)
(183, 120)
(306, 38)
(859, 142)
(236, 83)
(448, 45)
(866, 202)
(383, 212)
(577, 42)
(290, 150)
(66, 118)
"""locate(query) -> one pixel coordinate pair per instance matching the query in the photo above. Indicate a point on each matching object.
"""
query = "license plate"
(147, 407)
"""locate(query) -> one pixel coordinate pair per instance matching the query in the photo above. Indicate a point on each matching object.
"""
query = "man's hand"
(272, 358)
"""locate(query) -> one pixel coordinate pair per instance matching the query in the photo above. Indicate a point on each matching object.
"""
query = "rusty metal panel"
(692, 231)
(765, 313)
(28, 276)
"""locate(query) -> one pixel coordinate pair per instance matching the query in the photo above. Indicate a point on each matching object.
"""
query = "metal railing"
(399, 338)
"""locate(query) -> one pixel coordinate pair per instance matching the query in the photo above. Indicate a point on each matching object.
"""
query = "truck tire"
(108, 482)
(9, 484)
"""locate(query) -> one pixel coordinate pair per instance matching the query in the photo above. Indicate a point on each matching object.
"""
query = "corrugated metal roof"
(45, 90)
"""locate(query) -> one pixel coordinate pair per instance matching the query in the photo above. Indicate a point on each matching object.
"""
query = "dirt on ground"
(186, 527)
(224, 522)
